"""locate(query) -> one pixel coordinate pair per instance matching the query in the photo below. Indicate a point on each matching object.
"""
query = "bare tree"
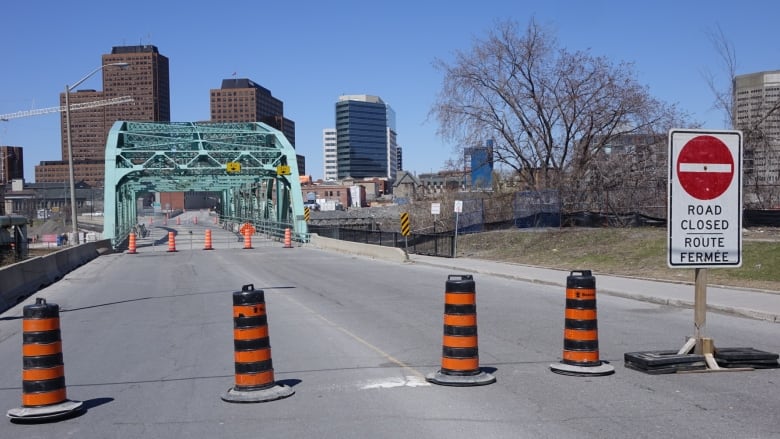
(724, 96)
(757, 118)
(550, 111)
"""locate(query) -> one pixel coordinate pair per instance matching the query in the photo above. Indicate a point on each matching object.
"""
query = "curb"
(679, 303)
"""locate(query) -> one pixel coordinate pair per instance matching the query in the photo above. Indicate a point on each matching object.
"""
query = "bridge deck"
(147, 342)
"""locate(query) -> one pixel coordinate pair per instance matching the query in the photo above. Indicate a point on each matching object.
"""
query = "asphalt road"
(147, 341)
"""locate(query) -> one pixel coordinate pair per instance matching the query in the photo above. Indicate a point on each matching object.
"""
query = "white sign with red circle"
(705, 198)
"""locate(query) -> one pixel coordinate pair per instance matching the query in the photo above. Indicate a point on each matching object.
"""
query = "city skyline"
(136, 72)
(311, 55)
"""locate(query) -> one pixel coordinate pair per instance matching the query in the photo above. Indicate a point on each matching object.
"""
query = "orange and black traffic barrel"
(207, 241)
(171, 242)
(254, 377)
(131, 247)
(580, 334)
(247, 239)
(44, 395)
(460, 349)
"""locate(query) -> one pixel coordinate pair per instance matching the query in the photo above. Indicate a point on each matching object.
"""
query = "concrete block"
(356, 248)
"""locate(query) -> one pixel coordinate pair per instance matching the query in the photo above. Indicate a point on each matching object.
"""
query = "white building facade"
(330, 168)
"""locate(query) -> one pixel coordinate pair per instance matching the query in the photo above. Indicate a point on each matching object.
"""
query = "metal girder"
(241, 160)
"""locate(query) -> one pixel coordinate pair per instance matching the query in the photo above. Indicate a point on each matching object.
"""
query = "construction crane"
(79, 106)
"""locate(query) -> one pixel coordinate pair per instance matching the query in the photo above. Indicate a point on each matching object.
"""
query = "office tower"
(400, 159)
(145, 79)
(242, 100)
(329, 155)
(365, 138)
(480, 159)
(756, 97)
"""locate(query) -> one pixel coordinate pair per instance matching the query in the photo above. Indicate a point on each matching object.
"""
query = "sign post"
(458, 209)
(406, 230)
(435, 211)
(704, 211)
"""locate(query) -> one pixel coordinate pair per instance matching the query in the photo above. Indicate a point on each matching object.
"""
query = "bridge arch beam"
(251, 164)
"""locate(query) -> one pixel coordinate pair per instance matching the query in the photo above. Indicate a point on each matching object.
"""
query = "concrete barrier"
(24, 278)
(19, 278)
(13, 282)
(355, 248)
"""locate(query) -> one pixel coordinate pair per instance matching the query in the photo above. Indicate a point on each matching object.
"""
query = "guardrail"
(22, 279)
(431, 244)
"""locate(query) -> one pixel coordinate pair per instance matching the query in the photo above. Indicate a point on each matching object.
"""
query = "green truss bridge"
(251, 165)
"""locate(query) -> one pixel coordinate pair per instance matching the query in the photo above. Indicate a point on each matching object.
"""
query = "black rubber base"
(481, 379)
(49, 413)
(278, 391)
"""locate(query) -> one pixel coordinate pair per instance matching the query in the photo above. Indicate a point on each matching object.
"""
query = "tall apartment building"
(329, 155)
(145, 79)
(755, 97)
(365, 138)
(243, 100)
(11, 164)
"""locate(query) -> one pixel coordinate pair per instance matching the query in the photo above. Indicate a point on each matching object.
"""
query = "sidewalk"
(756, 304)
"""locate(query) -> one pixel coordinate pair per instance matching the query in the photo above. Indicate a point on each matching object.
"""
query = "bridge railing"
(431, 244)
(270, 229)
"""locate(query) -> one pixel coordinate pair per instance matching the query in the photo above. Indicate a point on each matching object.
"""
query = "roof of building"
(243, 83)
(134, 49)
(406, 177)
(361, 98)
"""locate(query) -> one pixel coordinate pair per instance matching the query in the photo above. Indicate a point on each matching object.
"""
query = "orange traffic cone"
(460, 352)
(580, 334)
(171, 242)
(131, 244)
(44, 396)
(287, 238)
(247, 240)
(207, 245)
(254, 380)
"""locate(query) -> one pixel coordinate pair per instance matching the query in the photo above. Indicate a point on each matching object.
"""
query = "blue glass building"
(481, 161)
(365, 138)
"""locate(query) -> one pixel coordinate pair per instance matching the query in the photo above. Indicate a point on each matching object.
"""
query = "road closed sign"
(705, 199)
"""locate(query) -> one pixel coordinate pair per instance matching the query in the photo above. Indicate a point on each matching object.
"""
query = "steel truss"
(251, 164)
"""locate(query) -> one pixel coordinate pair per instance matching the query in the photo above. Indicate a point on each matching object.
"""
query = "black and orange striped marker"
(580, 333)
(254, 368)
(460, 349)
(171, 242)
(131, 247)
(247, 239)
(44, 395)
(207, 241)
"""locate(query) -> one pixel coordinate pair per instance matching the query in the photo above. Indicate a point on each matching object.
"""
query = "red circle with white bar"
(705, 167)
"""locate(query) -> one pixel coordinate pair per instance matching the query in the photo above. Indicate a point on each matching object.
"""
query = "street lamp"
(68, 89)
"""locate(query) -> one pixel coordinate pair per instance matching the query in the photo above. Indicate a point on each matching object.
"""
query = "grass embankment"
(639, 252)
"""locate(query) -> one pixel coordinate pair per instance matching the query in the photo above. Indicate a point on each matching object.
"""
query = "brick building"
(145, 79)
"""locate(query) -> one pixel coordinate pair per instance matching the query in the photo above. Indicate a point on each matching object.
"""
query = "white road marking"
(389, 383)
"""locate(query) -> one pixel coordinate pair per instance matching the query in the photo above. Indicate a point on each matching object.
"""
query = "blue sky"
(310, 52)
